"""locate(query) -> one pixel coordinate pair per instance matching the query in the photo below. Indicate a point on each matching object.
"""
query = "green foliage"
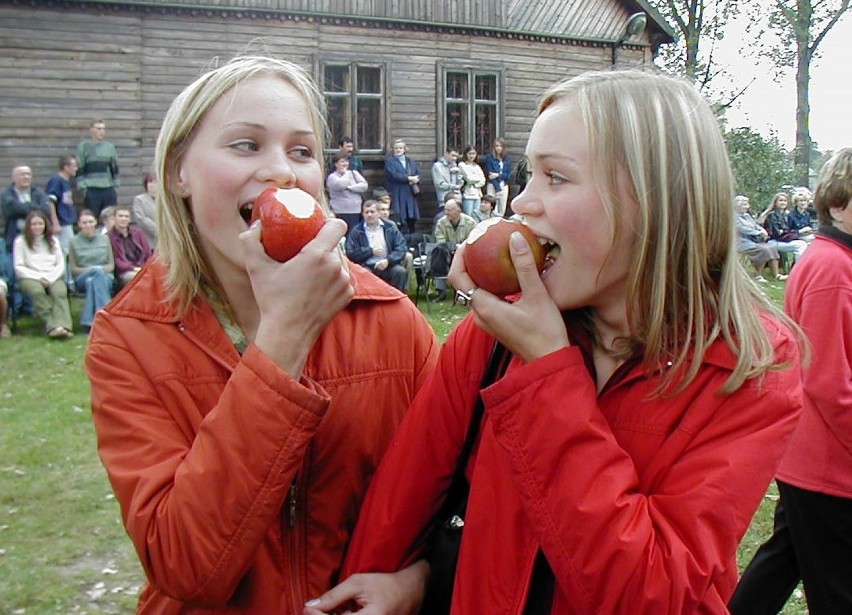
(761, 166)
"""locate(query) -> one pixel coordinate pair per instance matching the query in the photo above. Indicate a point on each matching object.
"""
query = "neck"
(64, 175)
(236, 285)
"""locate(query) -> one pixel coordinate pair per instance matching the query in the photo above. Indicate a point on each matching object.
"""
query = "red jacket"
(202, 445)
(819, 298)
(637, 504)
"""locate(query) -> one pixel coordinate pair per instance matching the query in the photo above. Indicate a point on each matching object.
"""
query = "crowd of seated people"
(36, 278)
(753, 241)
(776, 232)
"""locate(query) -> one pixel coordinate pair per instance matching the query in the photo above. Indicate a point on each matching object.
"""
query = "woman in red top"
(651, 394)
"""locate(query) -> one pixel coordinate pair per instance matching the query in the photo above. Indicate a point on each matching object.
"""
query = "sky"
(769, 106)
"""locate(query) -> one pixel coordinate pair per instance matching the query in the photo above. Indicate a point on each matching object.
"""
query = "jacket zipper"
(293, 493)
(296, 518)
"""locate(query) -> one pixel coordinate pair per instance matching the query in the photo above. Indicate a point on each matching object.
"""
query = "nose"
(276, 169)
(527, 203)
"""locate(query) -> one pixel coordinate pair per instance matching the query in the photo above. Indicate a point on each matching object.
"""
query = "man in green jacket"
(97, 174)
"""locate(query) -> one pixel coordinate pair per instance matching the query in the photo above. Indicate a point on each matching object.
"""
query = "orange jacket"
(238, 485)
(637, 503)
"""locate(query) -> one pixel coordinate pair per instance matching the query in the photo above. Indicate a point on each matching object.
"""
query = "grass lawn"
(62, 546)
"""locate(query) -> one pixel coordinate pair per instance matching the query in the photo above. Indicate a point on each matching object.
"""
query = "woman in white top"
(474, 179)
(345, 187)
(40, 268)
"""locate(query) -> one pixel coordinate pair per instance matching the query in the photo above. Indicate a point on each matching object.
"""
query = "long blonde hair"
(178, 246)
(686, 287)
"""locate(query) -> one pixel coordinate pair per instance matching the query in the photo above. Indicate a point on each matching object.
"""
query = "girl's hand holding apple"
(296, 299)
(530, 327)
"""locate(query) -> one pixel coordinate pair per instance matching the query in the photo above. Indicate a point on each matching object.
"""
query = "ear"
(835, 214)
(181, 185)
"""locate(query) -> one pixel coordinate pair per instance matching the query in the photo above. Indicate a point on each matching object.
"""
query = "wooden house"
(429, 71)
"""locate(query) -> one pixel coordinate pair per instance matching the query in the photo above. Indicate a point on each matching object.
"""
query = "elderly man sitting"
(378, 246)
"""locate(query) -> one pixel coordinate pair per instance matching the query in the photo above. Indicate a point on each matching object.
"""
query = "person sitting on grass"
(91, 262)
(130, 246)
(379, 246)
(40, 268)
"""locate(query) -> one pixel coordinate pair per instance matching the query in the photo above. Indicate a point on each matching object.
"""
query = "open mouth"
(245, 212)
(552, 251)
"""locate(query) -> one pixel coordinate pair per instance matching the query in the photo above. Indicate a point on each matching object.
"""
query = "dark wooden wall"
(61, 68)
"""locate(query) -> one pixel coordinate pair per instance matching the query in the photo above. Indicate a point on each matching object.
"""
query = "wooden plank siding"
(61, 66)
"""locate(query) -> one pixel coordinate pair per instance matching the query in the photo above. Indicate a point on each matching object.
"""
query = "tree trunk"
(804, 53)
(802, 158)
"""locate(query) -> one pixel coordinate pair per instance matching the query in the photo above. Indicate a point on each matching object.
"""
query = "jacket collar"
(146, 296)
(832, 232)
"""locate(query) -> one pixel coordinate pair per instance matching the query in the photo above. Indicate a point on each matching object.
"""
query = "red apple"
(289, 219)
(487, 259)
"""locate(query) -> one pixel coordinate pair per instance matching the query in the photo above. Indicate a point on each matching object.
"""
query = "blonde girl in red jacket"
(242, 404)
(651, 393)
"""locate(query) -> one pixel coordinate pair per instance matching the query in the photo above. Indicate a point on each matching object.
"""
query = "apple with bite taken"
(487, 259)
(289, 219)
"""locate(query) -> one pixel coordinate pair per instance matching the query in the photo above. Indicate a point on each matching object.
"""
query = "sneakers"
(781, 277)
(760, 278)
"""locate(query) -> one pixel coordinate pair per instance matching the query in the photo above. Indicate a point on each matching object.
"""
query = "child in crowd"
(651, 392)
(242, 404)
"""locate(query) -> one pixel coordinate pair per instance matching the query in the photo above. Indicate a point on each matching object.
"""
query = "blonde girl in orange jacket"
(242, 404)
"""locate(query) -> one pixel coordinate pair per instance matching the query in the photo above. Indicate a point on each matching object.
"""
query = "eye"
(554, 179)
(244, 145)
(301, 151)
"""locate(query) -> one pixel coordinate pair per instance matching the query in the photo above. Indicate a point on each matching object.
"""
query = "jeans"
(797, 247)
(97, 284)
(470, 205)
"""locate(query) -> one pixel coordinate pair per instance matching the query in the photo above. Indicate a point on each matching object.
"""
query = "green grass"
(62, 546)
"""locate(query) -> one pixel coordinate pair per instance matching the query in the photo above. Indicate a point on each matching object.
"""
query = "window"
(354, 94)
(471, 108)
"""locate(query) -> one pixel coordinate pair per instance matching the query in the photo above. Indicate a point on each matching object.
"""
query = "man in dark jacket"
(378, 246)
(18, 200)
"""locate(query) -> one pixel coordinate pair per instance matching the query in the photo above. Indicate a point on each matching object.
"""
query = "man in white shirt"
(378, 246)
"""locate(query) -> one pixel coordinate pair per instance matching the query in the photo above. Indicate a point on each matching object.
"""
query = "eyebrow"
(257, 126)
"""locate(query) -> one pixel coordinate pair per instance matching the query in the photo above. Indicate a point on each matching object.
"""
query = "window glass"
(355, 98)
(471, 109)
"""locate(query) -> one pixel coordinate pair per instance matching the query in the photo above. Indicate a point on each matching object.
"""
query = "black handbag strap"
(459, 487)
